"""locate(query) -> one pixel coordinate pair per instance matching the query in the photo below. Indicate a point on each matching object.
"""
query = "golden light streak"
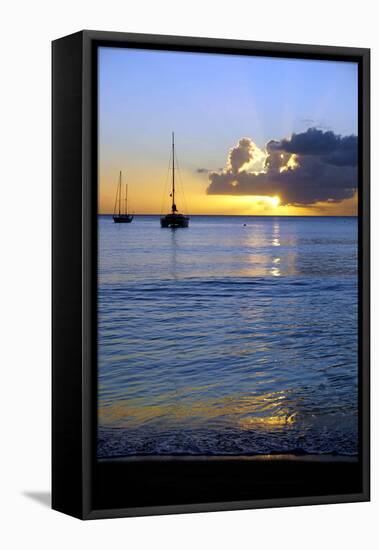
(271, 421)
(250, 412)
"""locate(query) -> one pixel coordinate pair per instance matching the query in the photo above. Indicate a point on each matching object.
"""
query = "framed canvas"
(210, 274)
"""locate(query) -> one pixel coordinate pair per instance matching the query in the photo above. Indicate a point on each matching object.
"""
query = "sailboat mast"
(126, 198)
(173, 206)
(119, 196)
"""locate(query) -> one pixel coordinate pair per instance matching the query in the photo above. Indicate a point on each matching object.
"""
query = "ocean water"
(236, 336)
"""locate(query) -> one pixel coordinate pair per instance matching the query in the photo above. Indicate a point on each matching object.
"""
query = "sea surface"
(236, 336)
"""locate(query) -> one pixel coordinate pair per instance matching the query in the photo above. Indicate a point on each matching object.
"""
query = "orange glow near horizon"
(149, 195)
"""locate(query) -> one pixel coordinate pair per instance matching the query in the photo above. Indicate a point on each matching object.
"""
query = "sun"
(274, 201)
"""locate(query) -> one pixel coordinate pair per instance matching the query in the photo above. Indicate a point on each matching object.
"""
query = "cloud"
(315, 124)
(245, 155)
(308, 121)
(317, 142)
(304, 169)
(241, 155)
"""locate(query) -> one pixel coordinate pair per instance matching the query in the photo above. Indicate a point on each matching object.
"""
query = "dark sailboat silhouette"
(118, 216)
(174, 219)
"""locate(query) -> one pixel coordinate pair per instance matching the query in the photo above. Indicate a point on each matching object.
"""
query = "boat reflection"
(173, 265)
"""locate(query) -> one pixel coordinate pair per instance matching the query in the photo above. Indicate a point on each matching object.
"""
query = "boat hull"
(123, 218)
(175, 220)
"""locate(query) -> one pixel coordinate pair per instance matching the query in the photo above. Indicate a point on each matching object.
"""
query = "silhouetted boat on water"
(121, 217)
(175, 219)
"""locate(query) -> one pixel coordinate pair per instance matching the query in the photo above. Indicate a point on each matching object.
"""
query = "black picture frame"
(80, 487)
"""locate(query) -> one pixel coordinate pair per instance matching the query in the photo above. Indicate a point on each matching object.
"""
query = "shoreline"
(232, 458)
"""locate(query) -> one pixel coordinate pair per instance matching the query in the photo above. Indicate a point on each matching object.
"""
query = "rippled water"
(234, 336)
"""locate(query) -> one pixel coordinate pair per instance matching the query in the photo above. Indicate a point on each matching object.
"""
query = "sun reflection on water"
(276, 234)
(268, 421)
(267, 410)
(275, 271)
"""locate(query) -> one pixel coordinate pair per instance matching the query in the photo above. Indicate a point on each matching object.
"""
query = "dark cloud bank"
(307, 168)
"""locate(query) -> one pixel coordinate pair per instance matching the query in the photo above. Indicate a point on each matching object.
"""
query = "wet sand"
(263, 457)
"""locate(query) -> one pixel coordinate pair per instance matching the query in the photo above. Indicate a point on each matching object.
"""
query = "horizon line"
(250, 215)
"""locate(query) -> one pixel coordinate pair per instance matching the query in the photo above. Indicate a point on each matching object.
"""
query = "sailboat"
(118, 216)
(174, 219)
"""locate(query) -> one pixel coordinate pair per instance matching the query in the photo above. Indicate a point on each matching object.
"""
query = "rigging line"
(119, 196)
(115, 204)
(181, 184)
(166, 184)
(126, 198)
(182, 194)
(166, 187)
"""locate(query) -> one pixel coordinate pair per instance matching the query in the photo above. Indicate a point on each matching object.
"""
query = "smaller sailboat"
(174, 219)
(118, 215)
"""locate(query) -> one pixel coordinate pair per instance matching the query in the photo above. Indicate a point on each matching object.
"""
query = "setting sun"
(274, 201)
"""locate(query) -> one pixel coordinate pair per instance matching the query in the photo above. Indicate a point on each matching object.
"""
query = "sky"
(253, 135)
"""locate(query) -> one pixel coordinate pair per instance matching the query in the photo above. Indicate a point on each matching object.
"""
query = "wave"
(299, 440)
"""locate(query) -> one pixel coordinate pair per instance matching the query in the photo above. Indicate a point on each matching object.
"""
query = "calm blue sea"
(236, 336)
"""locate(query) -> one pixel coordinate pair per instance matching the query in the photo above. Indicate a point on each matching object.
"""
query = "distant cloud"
(308, 121)
(315, 124)
(304, 169)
